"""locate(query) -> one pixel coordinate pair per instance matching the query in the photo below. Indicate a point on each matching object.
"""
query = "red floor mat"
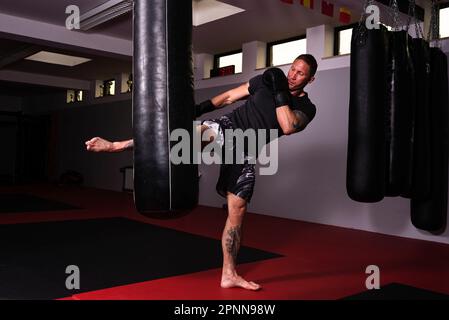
(321, 262)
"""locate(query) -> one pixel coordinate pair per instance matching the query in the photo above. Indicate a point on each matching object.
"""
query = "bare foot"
(232, 281)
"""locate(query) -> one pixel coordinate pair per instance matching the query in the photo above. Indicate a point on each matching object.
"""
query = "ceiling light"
(56, 58)
(105, 12)
(205, 11)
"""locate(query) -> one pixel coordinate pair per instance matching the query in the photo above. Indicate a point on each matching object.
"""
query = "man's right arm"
(98, 144)
(123, 145)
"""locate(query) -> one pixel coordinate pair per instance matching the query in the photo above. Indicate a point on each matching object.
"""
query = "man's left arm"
(291, 121)
(223, 99)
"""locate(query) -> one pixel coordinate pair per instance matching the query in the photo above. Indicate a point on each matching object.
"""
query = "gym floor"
(300, 260)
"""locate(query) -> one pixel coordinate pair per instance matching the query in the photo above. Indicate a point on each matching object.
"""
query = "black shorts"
(238, 179)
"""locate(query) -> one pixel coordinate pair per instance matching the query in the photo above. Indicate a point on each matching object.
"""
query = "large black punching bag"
(420, 188)
(162, 102)
(399, 115)
(431, 213)
(365, 176)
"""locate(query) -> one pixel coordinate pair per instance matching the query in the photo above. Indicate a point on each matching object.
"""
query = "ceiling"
(18, 89)
(262, 20)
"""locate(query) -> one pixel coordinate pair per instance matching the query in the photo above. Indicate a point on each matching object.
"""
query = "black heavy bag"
(162, 102)
(365, 176)
(399, 115)
(430, 214)
(420, 188)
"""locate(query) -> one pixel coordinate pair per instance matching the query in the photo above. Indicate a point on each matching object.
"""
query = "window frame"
(337, 31)
(269, 60)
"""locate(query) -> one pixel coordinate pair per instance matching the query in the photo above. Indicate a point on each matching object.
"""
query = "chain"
(433, 33)
(412, 15)
(394, 14)
(361, 28)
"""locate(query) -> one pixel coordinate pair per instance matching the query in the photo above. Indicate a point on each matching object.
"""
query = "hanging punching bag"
(431, 214)
(420, 188)
(399, 115)
(162, 102)
(365, 176)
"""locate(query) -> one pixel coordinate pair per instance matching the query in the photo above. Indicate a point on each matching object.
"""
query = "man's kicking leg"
(230, 241)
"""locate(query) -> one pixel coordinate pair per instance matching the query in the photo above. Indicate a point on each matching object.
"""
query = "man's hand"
(204, 107)
(276, 81)
(98, 144)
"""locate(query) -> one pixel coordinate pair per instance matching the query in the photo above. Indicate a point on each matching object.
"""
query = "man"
(273, 102)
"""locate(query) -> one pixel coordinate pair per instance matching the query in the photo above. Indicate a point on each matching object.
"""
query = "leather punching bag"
(365, 176)
(399, 115)
(420, 188)
(162, 102)
(431, 213)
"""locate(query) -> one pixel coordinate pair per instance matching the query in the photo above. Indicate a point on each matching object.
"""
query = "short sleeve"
(254, 84)
(304, 105)
(309, 110)
(305, 109)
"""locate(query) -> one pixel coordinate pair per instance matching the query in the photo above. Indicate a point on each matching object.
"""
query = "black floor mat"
(15, 203)
(397, 291)
(108, 253)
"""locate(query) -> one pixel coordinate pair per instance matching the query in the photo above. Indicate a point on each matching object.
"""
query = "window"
(285, 51)
(234, 58)
(444, 21)
(79, 95)
(342, 40)
(108, 87)
(74, 96)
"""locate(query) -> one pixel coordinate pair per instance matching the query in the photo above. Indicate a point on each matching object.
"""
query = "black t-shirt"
(259, 111)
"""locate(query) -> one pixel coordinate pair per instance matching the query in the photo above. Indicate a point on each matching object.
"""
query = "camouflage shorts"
(238, 178)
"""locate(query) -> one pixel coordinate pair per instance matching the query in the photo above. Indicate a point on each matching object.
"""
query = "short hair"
(311, 61)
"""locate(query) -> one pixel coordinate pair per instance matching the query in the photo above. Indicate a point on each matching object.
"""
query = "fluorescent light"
(105, 12)
(205, 11)
(56, 58)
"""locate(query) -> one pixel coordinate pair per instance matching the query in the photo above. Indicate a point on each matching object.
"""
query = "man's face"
(299, 75)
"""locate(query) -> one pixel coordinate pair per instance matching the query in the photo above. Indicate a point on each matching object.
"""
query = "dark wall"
(8, 141)
(112, 121)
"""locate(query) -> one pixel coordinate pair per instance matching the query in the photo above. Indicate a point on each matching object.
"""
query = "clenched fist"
(98, 144)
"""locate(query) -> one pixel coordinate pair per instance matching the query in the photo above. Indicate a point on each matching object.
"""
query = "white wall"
(311, 182)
